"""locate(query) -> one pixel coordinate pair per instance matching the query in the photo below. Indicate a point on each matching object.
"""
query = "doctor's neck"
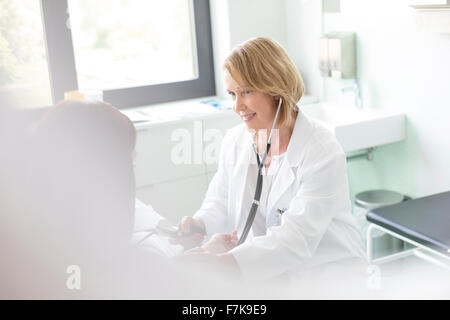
(280, 138)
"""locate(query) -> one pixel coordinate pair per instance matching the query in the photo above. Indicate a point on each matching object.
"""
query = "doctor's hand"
(192, 232)
(221, 243)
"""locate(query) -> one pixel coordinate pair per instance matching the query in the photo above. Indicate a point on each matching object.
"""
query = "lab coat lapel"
(283, 182)
(293, 159)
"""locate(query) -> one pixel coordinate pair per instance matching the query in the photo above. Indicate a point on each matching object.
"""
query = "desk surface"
(425, 220)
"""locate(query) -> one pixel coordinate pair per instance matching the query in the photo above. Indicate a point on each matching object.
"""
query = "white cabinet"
(210, 175)
(176, 161)
(155, 160)
(175, 199)
(213, 127)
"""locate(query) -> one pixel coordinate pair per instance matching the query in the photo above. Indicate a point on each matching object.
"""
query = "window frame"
(62, 69)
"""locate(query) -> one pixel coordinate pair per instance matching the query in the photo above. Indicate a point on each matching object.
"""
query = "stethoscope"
(259, 181)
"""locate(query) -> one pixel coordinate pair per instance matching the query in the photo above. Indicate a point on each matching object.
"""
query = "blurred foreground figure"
(72, 219)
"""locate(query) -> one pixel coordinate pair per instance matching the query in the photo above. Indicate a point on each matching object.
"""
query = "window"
(24, 78)
(138, 52)
(120, 44)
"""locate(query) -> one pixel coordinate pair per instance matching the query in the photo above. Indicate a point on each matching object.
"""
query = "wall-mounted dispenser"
(337, 55)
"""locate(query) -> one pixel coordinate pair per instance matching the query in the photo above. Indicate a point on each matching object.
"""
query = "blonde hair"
(263, 65)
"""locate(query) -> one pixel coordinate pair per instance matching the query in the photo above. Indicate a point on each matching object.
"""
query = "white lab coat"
(317, 227)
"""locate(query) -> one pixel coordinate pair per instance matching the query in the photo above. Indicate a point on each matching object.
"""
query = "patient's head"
(81, 176)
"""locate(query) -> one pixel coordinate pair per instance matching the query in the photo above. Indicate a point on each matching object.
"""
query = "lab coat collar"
(300, 136)
(294, 155)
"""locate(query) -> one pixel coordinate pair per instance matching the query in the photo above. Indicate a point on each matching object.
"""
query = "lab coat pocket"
(275, 216)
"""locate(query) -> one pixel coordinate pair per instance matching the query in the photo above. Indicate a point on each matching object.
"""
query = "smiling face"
(256, 109)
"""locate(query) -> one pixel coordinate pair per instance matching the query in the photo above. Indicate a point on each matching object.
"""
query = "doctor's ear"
(277, 99)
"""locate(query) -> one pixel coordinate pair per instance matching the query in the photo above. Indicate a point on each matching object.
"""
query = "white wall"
(254, 18)
(401, 69)
(295, 24)
(220, 28)
(234, 21)
(303, 29)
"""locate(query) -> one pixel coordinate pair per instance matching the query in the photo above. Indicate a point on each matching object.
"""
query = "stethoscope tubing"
(259, 182)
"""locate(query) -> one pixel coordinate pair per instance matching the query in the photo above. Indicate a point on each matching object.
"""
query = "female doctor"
(303, 211)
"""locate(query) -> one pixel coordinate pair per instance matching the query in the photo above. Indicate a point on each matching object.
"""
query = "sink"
(358, 129)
